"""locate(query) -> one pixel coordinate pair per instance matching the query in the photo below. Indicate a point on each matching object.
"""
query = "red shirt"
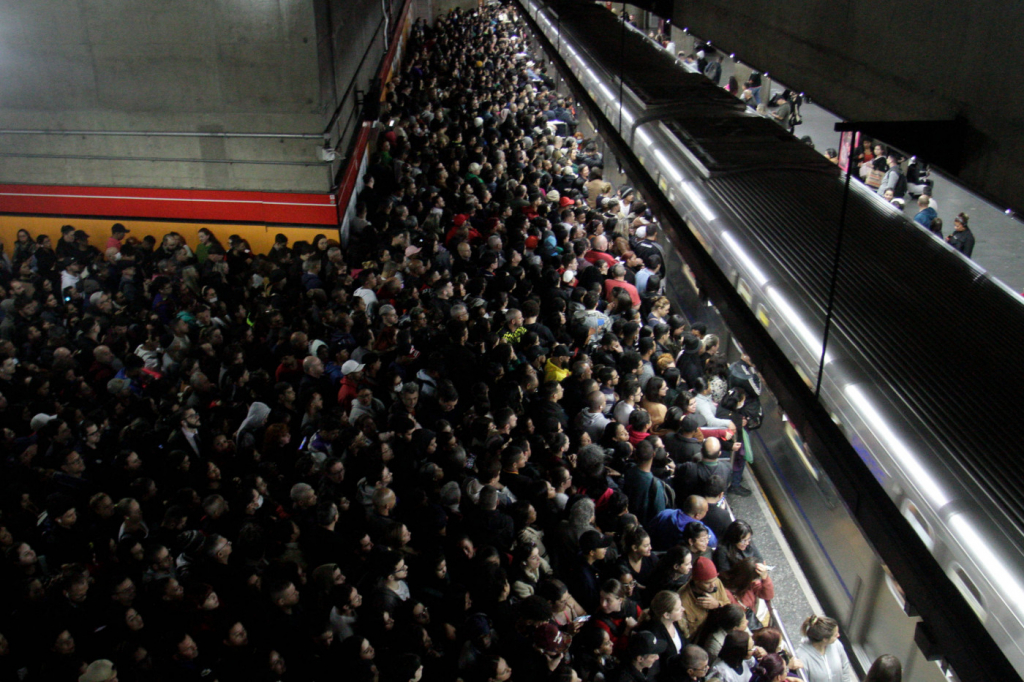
(610, 284)
(594, 256)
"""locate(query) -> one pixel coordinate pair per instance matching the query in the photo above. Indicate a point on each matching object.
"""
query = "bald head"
(102, 355)
(312, 366)
(712, 448)
(695, 507)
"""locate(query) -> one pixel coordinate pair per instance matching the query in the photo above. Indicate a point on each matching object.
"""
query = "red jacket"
(347, 393)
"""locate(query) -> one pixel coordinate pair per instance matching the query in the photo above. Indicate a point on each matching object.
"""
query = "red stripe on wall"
(170, 204)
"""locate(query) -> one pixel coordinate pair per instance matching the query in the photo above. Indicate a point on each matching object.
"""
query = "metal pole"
(835, 266)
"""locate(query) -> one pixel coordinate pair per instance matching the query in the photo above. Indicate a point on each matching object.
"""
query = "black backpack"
(900, 190)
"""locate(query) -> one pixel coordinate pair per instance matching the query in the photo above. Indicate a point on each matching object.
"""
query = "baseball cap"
(566, 201)
(689, 424)
(549, 639)
(118, 228)
(592, 540)
(41, 420)
(561, 351)
(644, 644)
(351, 366)
(535, 352)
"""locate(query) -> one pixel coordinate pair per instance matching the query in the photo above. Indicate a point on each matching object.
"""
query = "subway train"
(918, 372)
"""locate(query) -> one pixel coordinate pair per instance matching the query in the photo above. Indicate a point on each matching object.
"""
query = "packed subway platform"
(475, 442)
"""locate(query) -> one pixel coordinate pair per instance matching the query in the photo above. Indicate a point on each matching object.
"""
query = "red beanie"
(704, 569)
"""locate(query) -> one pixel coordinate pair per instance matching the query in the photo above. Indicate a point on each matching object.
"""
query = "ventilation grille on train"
(729, 144)
(885, 307)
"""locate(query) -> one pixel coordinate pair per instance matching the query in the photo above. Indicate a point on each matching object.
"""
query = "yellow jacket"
(553, 372)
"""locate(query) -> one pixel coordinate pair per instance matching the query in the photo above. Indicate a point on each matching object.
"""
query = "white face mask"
(259, 501)
(212, 300)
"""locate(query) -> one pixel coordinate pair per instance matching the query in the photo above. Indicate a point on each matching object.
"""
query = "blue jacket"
(666, 530)
(926, 217)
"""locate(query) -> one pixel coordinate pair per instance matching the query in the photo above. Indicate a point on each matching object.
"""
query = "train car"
(919, 348)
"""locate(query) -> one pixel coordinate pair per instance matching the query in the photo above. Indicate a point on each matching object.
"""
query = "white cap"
(41, 420)
(351, 366)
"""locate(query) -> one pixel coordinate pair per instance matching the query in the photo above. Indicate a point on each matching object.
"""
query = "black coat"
(962, 241)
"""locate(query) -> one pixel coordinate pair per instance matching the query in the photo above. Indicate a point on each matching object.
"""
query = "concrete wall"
(351, 47)
(445, 6)
(161, 65)
(892, 60)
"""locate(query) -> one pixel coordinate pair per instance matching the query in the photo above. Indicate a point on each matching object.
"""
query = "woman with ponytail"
(823, 655)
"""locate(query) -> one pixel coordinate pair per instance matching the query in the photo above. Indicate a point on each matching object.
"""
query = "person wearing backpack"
(893, 179)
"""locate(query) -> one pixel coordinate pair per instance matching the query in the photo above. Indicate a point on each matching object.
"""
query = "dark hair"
(615, 588)
(734, 649)
(726, 618)
(818, 628)
(886, 668)
(736, 531)
(693, 530)
(665, 567)
(768, 639)
(769, 668)
(740, 575)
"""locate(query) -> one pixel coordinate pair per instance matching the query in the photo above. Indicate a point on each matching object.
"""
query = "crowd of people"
(474, 443)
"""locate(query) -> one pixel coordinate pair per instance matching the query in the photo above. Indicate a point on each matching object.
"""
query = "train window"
(895, 589)
(690, 276)
(700, 237)
(643, 160)
(762, 315)
(969, 590)
(803, 375)
(662, 183)
(919, 523)
(671, 195)
(799, 447)
(743, 289)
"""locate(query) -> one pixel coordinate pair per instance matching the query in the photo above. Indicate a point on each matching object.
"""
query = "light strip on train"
(760, 278)
(794, 320)
(1002, 579)
(904, 455)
